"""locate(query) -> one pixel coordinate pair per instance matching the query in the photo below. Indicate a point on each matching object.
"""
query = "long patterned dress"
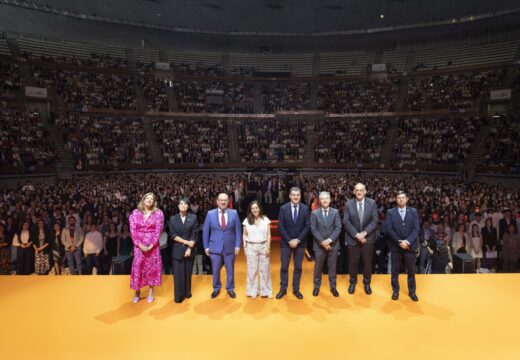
(146, 267)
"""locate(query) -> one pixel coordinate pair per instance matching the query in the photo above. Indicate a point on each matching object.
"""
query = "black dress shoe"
(281, 294)
(315, 292)
(352, 289)
(232, 294)
(215, 293)
(413, 296)
(395, 295)
(298, 294)
(334, 292)
(368, 290)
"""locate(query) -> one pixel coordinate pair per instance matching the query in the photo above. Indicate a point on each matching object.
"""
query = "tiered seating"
(350, 140)
(346, 63)
(395, 61)
(104, 140)
(192, 141)
(271, 140)
(445, 58)
(298, 65)
(196, 62)
(72, 52)
(4, 49)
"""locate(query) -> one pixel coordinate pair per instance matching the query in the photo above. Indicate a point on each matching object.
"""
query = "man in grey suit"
(325, 228)
(360, 222)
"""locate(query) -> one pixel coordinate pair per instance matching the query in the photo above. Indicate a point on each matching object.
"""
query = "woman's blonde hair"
(141, 207)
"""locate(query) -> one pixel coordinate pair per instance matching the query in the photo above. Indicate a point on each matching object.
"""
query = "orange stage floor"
(458, 317)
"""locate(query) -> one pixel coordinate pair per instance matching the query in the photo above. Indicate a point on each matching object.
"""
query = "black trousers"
(182, 270)
(409, 260)
(25, 261)
(97, 261)
(286, 253)
(366, 253)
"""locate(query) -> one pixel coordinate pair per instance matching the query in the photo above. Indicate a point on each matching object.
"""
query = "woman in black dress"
(489, 240)
(124, 242)
(57, 248)
(111, 238)
(184, 229)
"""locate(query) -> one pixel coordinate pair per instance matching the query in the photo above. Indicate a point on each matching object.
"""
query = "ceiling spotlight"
(382, 16)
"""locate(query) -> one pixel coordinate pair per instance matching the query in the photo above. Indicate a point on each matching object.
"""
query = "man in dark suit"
(360, 220)
(294, 226)
(402, 226)
(325, 228)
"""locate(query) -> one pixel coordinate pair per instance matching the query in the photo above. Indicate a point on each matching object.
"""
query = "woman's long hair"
(250, 217)
(140, 206)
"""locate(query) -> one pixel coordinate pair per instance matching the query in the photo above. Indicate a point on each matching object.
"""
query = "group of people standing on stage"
(224, 234)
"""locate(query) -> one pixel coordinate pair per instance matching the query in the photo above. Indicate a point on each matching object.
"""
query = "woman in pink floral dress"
(146, 226)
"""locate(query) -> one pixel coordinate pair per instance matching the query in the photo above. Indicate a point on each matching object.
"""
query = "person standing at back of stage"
(402, 225)
(222, 237)
(72, 238)
(5, 252)
(294, 226)
(257, 246)
(41, 240)
(25, 251)
(146, 225)
(184, 230)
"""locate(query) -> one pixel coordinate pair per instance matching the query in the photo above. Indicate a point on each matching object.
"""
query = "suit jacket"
(79, 237)
(329, 230)
(503, 225)
(397, 229)
(423, 240)
(353, 226)
(217, 240)
(293, 230)
(188, 231)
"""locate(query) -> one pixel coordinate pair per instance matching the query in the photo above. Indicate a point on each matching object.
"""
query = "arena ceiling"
(165, 19)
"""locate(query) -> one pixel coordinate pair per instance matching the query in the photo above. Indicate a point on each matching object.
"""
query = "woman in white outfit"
(257, 246)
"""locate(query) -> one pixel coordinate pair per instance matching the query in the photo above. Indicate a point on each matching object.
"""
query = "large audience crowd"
(357, 96)
(358, 140)
(24, 141)
(104, 140)
(194, 141)
(442, 140)
(456, 92)
(271, 140)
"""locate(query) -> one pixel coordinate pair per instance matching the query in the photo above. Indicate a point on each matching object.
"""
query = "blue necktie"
(295, 213)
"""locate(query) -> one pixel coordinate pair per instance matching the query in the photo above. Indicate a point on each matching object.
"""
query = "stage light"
(382, 16)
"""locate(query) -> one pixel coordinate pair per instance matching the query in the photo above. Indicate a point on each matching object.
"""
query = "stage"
(88, 317)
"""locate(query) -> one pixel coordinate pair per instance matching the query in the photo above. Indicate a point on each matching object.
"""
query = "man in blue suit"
(222, 236)
(294, 225)
(402, 227)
